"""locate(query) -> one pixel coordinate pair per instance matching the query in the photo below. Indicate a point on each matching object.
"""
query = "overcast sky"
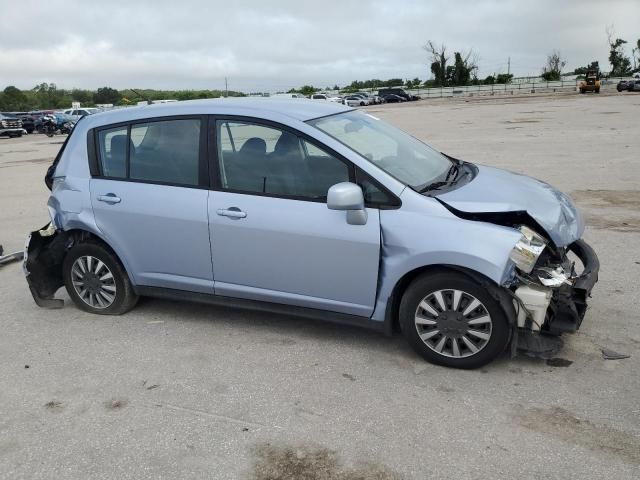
(276, 45)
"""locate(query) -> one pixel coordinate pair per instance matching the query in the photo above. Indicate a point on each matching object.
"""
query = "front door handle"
(231, 212)
(109, 198)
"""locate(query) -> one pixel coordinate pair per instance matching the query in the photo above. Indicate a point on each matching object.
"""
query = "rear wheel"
(452, 320)
(96, 281)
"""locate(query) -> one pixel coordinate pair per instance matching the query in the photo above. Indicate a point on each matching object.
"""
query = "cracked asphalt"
(179, 390)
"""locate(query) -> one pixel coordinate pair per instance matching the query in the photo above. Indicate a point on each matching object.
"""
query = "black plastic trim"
(589, 259)
(393, 203)
(569, 303)
(260, 306)
(94, 164)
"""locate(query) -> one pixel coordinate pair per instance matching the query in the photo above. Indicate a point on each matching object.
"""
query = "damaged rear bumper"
(44, 253)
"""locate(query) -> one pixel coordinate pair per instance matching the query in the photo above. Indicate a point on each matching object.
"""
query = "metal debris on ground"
(612, 355)
(11, 257)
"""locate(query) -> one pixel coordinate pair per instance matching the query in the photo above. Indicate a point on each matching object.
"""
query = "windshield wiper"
(452, 174)
(449, 179)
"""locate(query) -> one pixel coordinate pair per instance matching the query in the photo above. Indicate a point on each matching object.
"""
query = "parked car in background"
(364, 97)
(37, 118)
(622, 85)
(633, 86)
(354, 101)
(28, 122)
(287, 95)
(325, 96)
(369, 98)
(316, 209)
(391, 98)
(63, 123)
(77, 113)
(400, 92)
(10, 126)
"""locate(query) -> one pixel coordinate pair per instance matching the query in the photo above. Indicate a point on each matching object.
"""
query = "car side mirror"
(348, 196)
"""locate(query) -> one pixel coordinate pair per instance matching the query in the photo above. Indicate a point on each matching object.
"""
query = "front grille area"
(12, 123)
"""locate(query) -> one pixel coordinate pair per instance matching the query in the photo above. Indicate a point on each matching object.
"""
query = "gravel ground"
(177, 390)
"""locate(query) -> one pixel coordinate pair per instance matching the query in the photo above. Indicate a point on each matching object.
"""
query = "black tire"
(498, 328)
(124, 299)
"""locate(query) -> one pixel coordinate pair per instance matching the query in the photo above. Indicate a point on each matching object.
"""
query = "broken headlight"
(526, 252)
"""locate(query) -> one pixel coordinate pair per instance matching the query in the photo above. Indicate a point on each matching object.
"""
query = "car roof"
(297, 109)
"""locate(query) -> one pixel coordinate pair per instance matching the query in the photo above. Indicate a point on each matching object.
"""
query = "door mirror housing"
(349, 197)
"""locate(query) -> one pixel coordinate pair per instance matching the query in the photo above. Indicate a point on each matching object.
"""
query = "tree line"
(48, 96)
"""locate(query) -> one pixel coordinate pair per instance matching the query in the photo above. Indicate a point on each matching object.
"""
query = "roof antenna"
(144, 97)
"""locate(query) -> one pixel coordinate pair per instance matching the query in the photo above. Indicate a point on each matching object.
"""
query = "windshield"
(394, 151)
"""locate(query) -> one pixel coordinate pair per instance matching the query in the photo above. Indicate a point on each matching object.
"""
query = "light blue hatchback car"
(315, 209)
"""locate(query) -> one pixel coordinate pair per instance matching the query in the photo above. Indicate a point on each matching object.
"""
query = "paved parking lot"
(176, 390)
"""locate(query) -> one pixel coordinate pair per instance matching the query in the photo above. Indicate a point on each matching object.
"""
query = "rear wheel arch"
(85, 236)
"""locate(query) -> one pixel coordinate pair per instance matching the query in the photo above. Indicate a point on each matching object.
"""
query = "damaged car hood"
(498, 191)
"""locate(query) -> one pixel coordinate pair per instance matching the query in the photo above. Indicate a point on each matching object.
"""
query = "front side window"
(261, 159)
(394, 151)
(165, 151)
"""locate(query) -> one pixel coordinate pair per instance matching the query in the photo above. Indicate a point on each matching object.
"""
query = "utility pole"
(509, 66)
(226, 88)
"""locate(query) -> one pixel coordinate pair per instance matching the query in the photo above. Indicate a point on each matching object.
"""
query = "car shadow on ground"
(299, 328)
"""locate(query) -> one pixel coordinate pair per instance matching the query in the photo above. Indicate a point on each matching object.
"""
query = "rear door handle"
(109, 198)
(231, 212)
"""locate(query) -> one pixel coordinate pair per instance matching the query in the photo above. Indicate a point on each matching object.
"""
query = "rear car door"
(149, 199)
(272, 236)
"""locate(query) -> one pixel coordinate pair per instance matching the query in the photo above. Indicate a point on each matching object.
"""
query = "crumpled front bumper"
(566, 309)
(569, 302)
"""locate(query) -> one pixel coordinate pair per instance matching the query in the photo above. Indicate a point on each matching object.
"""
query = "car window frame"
(214, 163)
(95, 164)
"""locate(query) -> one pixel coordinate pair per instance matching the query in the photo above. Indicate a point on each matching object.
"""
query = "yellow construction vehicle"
(591, 82)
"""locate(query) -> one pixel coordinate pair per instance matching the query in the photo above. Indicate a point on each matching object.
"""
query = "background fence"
(518, 86)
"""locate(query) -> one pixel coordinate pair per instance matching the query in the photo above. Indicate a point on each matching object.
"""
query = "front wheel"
(96, 281)
(452, 320)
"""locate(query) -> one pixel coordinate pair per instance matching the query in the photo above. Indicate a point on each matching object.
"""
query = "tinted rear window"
(166, 151)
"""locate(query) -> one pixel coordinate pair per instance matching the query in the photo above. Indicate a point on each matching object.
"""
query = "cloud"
(279, 44)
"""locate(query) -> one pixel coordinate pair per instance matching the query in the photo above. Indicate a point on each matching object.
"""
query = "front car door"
(150, 201)
(272, 236)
